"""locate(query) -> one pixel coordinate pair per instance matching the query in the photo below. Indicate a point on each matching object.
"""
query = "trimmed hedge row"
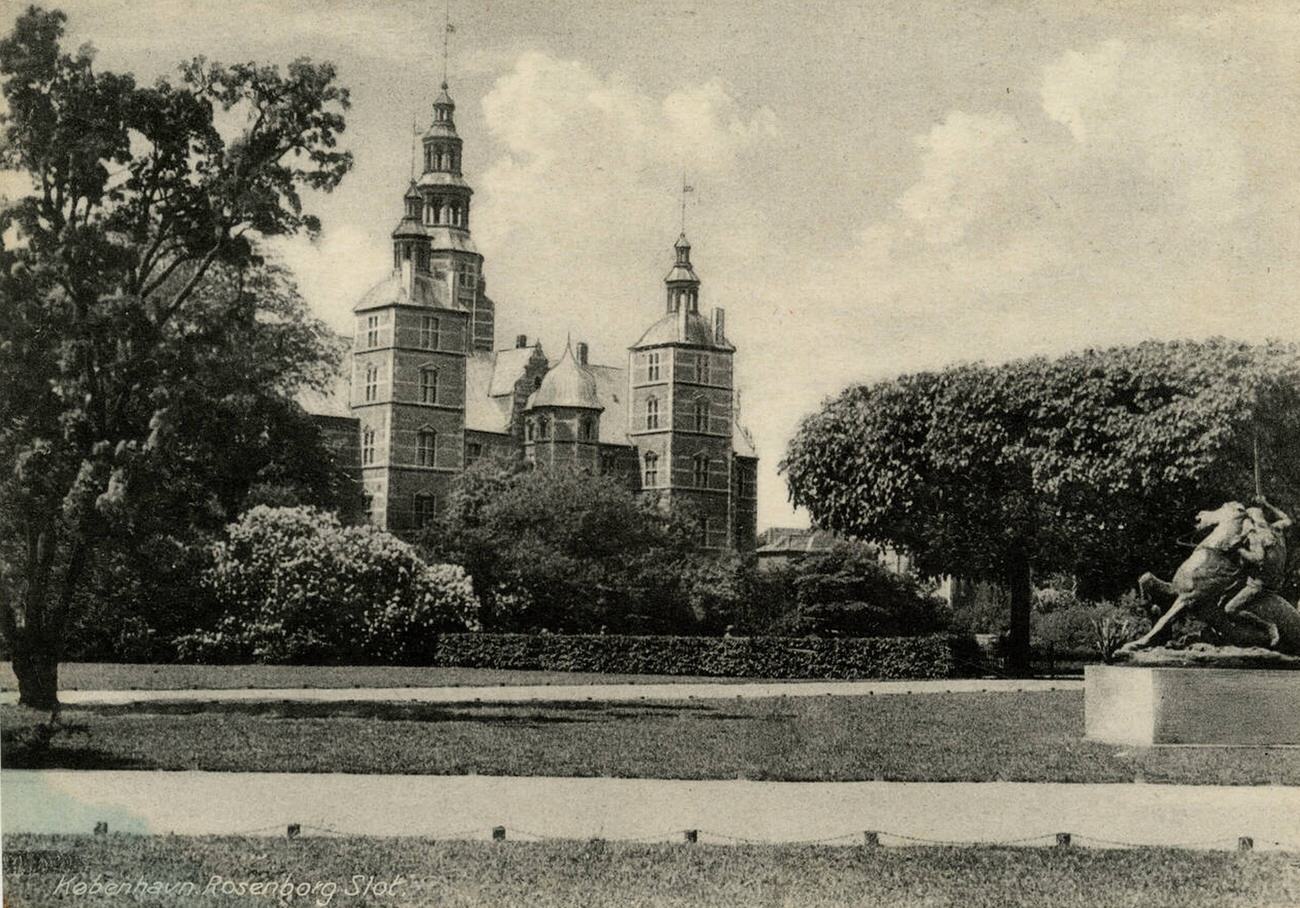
(936, 656)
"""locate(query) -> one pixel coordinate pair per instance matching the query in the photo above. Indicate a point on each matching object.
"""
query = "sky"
(880, 187)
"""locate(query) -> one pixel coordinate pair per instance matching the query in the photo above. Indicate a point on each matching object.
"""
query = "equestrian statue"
(1230, 582)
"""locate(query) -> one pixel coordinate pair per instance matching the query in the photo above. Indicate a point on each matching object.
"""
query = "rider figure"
(1263, 558)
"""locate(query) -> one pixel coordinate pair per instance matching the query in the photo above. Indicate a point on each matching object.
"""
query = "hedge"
(935, 656)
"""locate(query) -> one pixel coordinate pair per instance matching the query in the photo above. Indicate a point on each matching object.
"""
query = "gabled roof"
(485, 412)
(507, 367)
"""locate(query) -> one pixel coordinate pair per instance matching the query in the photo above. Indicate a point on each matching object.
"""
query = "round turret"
(567, 384)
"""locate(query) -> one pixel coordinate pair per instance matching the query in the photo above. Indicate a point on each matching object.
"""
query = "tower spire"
(415, 133)
(447, 29)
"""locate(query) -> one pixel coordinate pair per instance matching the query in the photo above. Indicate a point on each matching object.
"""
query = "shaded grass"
(616, 874)
(140, 676)
(1020, 737)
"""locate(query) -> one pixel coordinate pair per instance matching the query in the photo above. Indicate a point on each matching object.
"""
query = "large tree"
(1091, 463)
(138, 195)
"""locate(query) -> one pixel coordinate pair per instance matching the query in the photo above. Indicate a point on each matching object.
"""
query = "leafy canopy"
(1092, 462)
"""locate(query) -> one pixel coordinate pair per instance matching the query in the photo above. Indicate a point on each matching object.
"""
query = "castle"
(426, 392)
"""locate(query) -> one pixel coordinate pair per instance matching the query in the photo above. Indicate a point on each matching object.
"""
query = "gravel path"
(608, 692)
(198, 803)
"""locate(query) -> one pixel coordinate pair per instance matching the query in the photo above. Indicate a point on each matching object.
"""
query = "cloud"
(577, 148)
(1116, 210)
(335, 270)
(577, 207)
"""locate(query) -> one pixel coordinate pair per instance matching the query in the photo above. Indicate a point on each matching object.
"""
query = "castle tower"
(414, 331)
(435, 228)
(680, 406)
(562, 418)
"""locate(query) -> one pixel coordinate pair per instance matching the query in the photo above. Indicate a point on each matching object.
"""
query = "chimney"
(521, 341)
(581, 351)
(719, 325)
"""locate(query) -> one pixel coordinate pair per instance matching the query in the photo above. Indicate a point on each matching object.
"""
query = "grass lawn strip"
(423, 873)
(133, 676)
(1013, 737)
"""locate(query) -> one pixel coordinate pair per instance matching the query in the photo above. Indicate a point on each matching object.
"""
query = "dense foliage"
(566, 551)
(1091, 463)
(137, 199)
(740, 657)
(295, 585)
(849, 592)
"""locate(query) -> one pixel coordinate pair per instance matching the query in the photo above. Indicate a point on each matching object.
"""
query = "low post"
(1062, 840)
(1245, 843)
(691, 836)
(871, 839)
(498, 833)
(294, 830)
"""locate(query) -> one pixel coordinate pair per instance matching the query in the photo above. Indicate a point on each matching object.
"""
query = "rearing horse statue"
(1203, 582)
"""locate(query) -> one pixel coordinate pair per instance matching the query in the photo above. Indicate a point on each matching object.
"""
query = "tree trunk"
(36, 665)
(1019, 585)
(35, 634)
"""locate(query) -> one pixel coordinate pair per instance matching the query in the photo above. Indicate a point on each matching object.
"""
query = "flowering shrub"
(295, 585)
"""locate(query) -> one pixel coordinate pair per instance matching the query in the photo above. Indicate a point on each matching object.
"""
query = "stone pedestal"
(1145, 705)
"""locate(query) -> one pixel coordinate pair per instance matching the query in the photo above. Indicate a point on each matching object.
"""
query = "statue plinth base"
(1145, 705)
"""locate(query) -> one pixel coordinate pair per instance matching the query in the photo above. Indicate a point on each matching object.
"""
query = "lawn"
(620, 874)
(1022, 737)
(135, 676)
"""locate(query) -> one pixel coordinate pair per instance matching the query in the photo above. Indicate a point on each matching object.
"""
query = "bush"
(294, 585)
(848, 592)
(1099, 629)
(741, 657)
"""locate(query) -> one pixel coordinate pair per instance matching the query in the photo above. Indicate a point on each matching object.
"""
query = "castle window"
(652, 366)
(704, 532)
(426, 447)
(701, 415)
(428, 386)
(468, 275)
(426, 508)
(372, 384)
(530, 430)
(413, 208)
(372, 331)
(652, 413)
(429, 332)
(587, 428)
(473, 451)
(702, 369)
(700, 471)
(651, 470)
(543, 427)
(368, 446)
(422, 259)
(428, 158)
(746, 484)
